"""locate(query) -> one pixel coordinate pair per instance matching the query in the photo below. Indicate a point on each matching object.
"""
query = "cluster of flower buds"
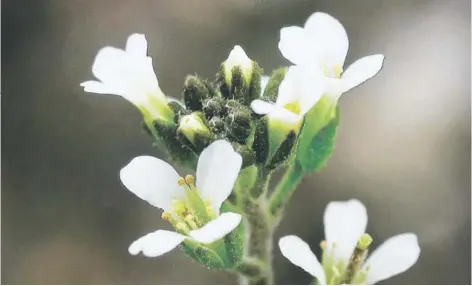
(221, 109)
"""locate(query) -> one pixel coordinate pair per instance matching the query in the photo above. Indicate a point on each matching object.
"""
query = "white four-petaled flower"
(345, 223)
(129, 73)
(322, 44)
(193, 209)
(297, 94)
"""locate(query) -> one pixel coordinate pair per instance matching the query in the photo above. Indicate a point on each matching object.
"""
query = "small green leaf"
(317, 153)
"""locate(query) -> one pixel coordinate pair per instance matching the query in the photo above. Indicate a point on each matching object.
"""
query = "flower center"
(293, 107)
(334, 72)
(346, 272)
(190, 212)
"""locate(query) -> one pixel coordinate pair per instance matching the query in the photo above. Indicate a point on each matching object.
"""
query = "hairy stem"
(259, 241)
(283, 192)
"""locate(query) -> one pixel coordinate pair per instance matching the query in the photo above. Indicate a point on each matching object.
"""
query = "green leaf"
(319, 149)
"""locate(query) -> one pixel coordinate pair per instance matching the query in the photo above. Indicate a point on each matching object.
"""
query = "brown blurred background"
(403, 147)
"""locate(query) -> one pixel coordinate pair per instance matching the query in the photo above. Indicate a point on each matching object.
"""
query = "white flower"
(323, 43)
(192, 207)
(345, 224)
(298, 93)
(129, 73)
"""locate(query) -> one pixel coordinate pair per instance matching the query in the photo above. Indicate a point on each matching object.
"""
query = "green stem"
(283, 192)
(259, 243)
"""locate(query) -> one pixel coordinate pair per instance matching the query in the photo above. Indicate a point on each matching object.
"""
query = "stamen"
(166, 216)
(323, 245)
(190, 179)
(180, 226)
(338, 70)
(190, 220)
(181, 181)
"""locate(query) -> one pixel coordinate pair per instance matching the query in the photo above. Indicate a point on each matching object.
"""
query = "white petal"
(133, 76)
(152, 180)
(284, 115)
(262, 107)
(111, 66)
(156, 243)
(394, 256)
(264, 82)
(216, 228)
(344, 224)
(330, 38)
(300, 254)
(288, 88)
(362, 70)
(295, 45)
(136, 45)
(217, 170)
(302, 84)
(99, 88)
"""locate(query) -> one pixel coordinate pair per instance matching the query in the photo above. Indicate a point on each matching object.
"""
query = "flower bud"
(217, 125)
(193, 130)
(195, 91)
(240, 77)
(214, 107)
(238, 125)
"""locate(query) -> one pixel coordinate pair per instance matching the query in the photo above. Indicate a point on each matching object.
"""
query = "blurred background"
(403, 146)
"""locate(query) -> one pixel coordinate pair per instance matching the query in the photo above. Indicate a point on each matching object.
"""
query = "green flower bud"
(217, 125)
(195, 91)
(214, 107)
(193, 130)
(238, 125)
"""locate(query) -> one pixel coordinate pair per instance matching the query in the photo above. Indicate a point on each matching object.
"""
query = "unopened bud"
(240, 77)
(214, 107)
(238, 125)
(217, 125)
(193, 129)
(195, 91)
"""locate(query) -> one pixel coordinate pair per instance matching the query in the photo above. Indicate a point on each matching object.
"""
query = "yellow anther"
(338, 70)
(166, 216)
(181, 181)
(190, 219)
(334, 244)
(181, 226)
(324, 68)
(190, 179)
(323, 244)
(293, 107)
(178, 207)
